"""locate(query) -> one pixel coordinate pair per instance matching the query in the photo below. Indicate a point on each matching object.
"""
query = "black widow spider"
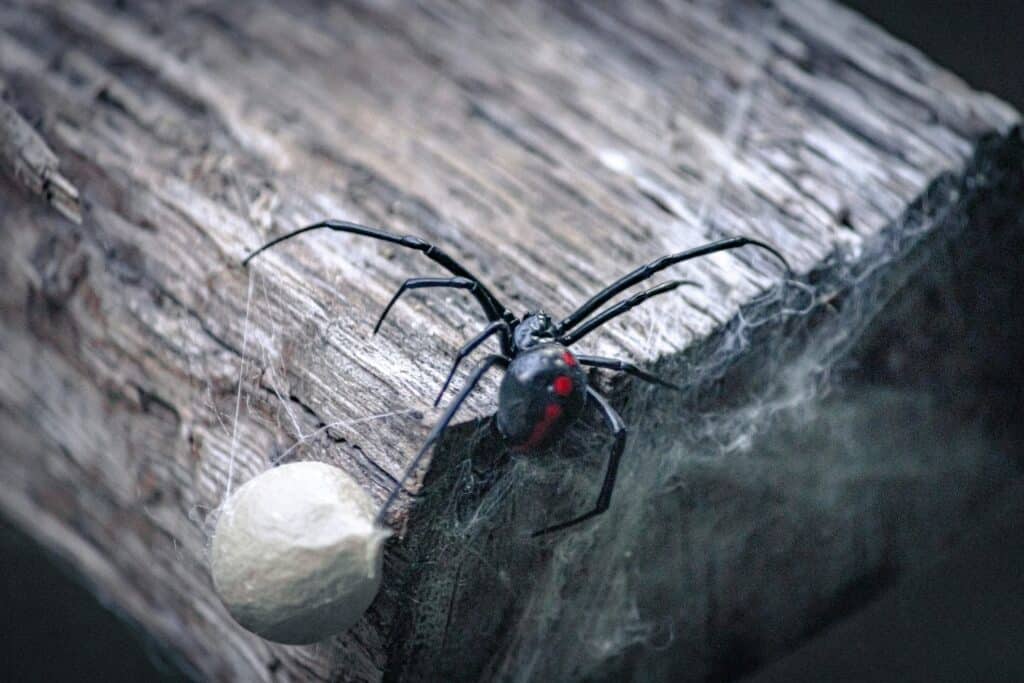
(544, 389)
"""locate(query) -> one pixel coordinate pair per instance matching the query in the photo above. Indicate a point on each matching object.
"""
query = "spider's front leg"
(604, 498)
(622, 307)
(492, 308)
(644, 272)
(495, 326)
(424, 283)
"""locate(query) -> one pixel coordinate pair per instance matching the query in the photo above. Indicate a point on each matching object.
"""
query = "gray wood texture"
(550, 147)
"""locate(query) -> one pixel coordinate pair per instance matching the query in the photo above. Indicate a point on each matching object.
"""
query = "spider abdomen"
(543, 391)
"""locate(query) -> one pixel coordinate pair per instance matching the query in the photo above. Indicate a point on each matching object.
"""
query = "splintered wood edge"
(28, 159)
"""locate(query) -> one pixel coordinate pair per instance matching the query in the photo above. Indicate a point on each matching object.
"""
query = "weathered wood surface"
(552, 148)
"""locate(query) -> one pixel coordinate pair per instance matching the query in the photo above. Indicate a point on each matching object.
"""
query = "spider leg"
(646, 271)
(442, 424)
(470, 346)
(620, 308)
(604, 498)
(423, 283)
(493, 309)
(627, 367)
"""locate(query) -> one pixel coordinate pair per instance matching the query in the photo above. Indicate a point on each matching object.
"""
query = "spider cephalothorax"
(545, 388)
(534, 329)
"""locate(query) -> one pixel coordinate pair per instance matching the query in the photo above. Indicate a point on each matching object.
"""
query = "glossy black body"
(545, 387)
(529, 390)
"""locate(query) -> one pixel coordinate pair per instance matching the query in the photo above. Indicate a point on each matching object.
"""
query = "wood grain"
(552, 147)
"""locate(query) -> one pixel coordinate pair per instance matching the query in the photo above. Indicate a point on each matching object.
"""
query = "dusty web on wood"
(238, 400)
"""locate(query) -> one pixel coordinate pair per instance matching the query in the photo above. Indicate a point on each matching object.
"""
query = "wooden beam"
(550, 148)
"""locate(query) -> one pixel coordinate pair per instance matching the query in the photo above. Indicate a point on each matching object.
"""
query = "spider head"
(535, 328)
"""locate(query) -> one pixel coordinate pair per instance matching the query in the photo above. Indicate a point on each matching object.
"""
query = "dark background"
(980, 41)
(963, 620)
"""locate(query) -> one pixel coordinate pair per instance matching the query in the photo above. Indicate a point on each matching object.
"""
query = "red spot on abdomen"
(569, 359)
(552, 412)
(562, 385)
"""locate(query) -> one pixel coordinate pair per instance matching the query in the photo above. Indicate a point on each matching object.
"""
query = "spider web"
(774, 451)
(797, 461)
(800, 458)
